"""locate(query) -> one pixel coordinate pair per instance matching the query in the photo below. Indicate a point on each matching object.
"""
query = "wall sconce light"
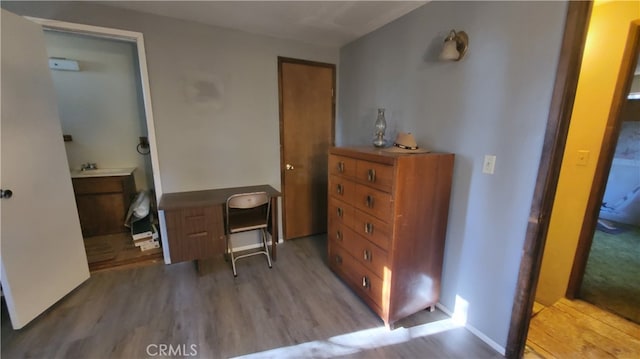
(455, 46)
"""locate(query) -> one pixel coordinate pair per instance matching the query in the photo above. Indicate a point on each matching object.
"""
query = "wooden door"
(307, 110)
(42, 257)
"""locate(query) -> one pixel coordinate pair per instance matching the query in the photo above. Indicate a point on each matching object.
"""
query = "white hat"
(405, 143)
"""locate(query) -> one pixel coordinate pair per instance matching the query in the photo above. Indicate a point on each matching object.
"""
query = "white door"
(42, 255)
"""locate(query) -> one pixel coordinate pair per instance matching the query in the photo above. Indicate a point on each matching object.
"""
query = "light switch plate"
(489, 164)
(582, 158)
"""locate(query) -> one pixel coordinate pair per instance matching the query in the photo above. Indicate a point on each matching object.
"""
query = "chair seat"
(247, 221)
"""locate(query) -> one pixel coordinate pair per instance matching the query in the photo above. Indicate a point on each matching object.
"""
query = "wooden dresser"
(387, 226)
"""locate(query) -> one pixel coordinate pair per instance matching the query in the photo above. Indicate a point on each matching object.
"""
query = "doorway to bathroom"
(102, 113)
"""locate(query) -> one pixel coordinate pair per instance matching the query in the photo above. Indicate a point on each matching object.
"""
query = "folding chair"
(247, 212)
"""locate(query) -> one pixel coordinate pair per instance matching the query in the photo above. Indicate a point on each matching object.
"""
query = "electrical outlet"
(489, 164)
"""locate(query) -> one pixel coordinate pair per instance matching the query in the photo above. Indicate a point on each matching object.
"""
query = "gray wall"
(214, 93)
(495, 101)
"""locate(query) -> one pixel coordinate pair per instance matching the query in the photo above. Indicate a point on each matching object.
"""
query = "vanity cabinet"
(103, 203)
(387, 225)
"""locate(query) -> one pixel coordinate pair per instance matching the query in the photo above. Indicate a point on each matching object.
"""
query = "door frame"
(605, 160)
(127, 36)
(138, 39)
(281, 62)
(555, 138)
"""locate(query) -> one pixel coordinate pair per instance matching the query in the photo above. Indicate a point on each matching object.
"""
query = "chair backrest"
(247, 200)
(249, 211)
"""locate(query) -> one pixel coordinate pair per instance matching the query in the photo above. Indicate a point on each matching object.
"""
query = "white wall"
(100, 105)
(635, 85)
(495, 101)
(214, 94)
(622, 192)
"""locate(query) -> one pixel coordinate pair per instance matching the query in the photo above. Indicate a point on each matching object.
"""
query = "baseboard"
(444, 309)
(495, 346)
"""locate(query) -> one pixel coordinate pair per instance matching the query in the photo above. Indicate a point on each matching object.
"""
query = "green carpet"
(612, 278)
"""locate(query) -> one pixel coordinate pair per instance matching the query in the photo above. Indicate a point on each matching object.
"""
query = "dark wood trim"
(281, 61)
(575, 31)
(605, 159)
(290, 60)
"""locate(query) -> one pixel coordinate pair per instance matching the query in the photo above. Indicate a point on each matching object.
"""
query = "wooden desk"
(195, 224)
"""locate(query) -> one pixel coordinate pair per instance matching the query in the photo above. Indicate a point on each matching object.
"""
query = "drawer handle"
(371, 175)
(370, 201)
(339, 212)
(339, 188)
(338, 259)
(339, 236)
(368, 228)
(366, 283)
(340, 166)
(367, 255)
(198, 234)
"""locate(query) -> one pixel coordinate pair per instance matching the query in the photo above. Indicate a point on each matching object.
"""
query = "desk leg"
(274, 226)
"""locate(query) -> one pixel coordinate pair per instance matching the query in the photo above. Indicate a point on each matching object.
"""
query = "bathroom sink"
(102, 172)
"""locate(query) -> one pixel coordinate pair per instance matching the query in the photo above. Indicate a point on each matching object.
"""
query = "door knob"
(5, 193)
(289, 167)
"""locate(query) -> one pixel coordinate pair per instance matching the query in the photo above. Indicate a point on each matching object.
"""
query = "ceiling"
(326, 23)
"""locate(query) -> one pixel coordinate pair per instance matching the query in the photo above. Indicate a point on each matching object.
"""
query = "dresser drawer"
(370, 255)
(335, 257)
(374, 258)
(341, 212)
(374, 202)
(339, 233)
(362, 280)
(375, 175)
(373, 229)
(343, 166)
(342, 188)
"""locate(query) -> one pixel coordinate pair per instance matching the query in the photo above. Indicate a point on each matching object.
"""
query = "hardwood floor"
(297, 309)
(116, 250)
(575, 329)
